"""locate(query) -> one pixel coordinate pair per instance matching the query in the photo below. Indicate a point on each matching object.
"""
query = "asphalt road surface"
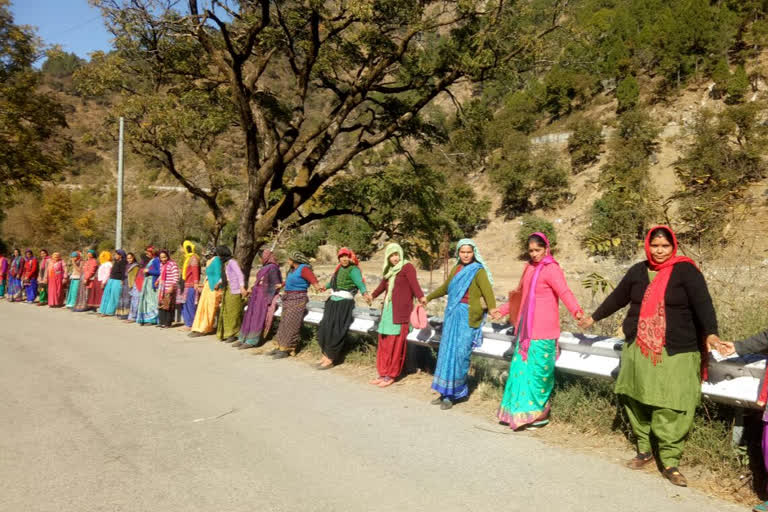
(98, 415)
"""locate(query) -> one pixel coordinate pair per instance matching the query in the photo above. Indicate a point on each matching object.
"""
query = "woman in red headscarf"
(670, 322)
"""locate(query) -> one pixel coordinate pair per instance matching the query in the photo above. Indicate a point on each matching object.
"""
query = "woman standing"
(533, 309)
(210, 297)
(167, 285)
(75, 261)
(670, 317)
(131, 271)
(337, 316)
(469, 281)
(146, 313)
(44, 264)
(57, 275)
(135, 291)
(400, 286)
(261, 302)
(114, 285)
(233, 291)
(15, 274)
(102, 276)
(29, 279)
(3, 274)
(297, 282)
(87, 281)
(190, 272)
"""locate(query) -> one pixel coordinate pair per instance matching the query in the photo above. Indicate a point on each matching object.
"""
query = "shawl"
(478, 256)
(353, 260)
(390, 271)
(131, 272)
(89, 269)
(17, 263)
(268, 257)
(528, 298)
(458, 288)
(299, 258)
(652, 325)
(213, 272)
(189, 251)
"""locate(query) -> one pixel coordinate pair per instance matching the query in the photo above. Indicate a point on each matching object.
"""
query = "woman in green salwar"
(670, 322)
(234, 291)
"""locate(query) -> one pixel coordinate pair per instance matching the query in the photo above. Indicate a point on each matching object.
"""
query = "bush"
(584, 143)
(627, 93)
(532, 224)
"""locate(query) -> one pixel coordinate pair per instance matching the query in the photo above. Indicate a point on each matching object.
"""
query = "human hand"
(726, 348)
(423, 300)
(368, 298)
(495, 314)
(586, 323)
(579, 315)
(278, 286)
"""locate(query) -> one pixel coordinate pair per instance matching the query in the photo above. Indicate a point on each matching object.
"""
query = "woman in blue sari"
(468, 282)
(15, 291)
(147, 310)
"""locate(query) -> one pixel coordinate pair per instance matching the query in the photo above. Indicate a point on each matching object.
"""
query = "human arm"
(486, 290)
(757, 344)
(699, 299)
(383, 285)
(443, 288)
(556, 280)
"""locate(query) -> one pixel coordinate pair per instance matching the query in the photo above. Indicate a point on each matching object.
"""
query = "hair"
(537, 240)
(45, 251)
(662, 233)
(131, 255)
(164, 251)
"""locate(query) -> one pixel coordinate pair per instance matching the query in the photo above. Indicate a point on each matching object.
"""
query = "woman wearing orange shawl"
(670, 322)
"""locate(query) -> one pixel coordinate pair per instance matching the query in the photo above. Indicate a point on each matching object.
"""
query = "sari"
(210, 299)
(42, 280)
(3, 275)
(124, 303)
(56, 274)
(15, 290)
(102, 276)
(29, 278)
(87, 282)
(263, 293)
(231, 312)
(74, 280)
(166, 295)
(146, 311)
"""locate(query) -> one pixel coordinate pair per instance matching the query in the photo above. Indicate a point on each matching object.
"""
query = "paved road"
(97, 415)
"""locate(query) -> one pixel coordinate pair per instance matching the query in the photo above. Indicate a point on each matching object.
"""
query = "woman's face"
(130, 259)
(291, 263)
(394, 259)
(149, 254)
(536, 252)
(91, 256)
(163, 257)
(661, 249)
(344, 260)
(16, 253)
(118, 257)
(28, 254)
(466, 254)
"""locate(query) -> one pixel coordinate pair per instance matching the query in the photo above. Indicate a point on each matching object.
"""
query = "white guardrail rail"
(734, 381)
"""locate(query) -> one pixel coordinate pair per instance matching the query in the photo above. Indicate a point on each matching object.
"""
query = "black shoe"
(447, 404)
(281, 354)
(273, 352)
(245, 346)
(230, 339)
(237, 344)
(195, 334)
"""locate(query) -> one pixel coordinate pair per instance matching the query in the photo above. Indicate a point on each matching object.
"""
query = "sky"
(73, 24)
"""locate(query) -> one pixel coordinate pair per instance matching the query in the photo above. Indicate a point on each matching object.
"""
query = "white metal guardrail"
(735, 381)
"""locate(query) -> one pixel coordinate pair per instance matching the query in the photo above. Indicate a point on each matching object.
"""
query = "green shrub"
(738, 85)
(584, 143)
(627, 93)
(532, 224)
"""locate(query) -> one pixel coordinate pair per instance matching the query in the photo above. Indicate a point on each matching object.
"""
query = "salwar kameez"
(529, 385)
(393, 341)
(230, 316)
(30, 288)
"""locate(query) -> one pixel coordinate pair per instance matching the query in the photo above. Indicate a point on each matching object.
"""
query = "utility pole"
(119, 223)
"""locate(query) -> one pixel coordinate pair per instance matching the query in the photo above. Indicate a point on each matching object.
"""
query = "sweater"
(299, 279)
(480, 287)
(688, 306)
(550, 287)
(406, 288)
(118, 270)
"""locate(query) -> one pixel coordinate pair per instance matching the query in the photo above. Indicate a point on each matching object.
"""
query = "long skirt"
(660, 400)
(230, 316)
(110, 297)
(390, 354)
(166, 309)
(190, 306)
(56, 292)
(3, 285)
(95, 294)
(291, 320)
(529, 385)
(207, 311)
(147, 310)
(254, 317)
(81, 304)
(15, 290)
(333, 328)
(31, 290)
(42, 293)
(74, 287)
(453, 355)
(124, 303)
(134, 307)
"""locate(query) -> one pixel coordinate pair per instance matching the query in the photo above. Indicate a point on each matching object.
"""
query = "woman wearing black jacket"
(670, 322)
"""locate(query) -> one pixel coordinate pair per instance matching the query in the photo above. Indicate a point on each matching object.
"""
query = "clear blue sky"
(73, 24)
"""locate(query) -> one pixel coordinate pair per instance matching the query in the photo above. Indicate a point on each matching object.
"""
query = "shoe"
(447, 404)
(437, 401)
(328, 367)
(675, 477)
(537, 425)
(639, 460)
(281, 354)
(245, 346)
(273, 352)
(195, 334)
(237, 344)
(762, 507)
(230, 339)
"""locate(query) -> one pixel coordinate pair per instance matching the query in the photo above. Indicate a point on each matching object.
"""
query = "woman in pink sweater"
(533, 308)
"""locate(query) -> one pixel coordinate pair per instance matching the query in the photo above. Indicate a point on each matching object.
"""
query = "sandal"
(640, 460)
(675, 476)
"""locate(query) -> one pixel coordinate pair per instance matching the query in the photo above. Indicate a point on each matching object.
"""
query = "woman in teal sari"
(469, 281)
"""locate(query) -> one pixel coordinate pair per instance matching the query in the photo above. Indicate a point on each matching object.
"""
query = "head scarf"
(268, 257)
(526, 313)
(344, 251)
(75, 255)
(122, 254)
(92, 252)
(390, 271)
(151, 249)
(298, 257)
(189, 251)
(104, 257)
(652, 325)
(478, 256)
